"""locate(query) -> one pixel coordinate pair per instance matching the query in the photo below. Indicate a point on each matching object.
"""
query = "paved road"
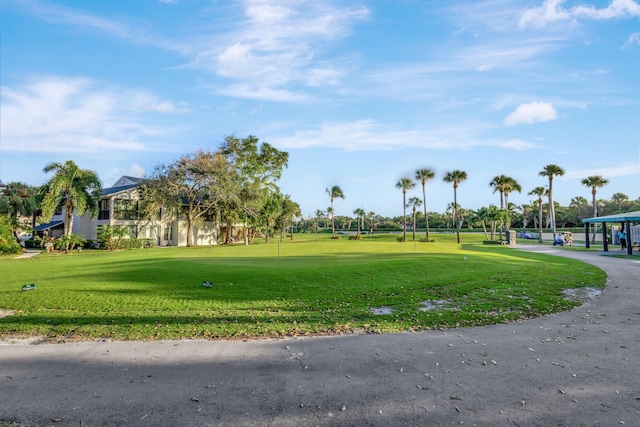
(571, 369)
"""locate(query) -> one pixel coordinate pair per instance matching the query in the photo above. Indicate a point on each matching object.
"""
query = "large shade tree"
(423, 175)
(404, 184)
(539, 191)
(18, 200)
(76, 190)
(594, 182)
(551, 171)
(455, 177)
(256, 167)
(334, 192)
(192, 185)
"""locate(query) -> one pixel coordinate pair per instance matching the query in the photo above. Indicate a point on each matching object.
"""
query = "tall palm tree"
(595, 181)
(334, 193)
(404, 184)
(505, 185)
(539, 191)
(414, 203)
(551, 171)
(371, 215)
(76, 189)
(455, 177)
(498, 183)
(423, 175)
(359, 213)
(511, 186)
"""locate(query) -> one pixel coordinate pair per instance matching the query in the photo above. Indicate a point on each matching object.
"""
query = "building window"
(167, 233)
(103, 207)
(125, 209)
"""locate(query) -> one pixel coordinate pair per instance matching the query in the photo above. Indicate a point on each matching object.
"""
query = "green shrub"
(136, 243)
(9, 247)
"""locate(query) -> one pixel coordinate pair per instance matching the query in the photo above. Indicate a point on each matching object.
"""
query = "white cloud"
(532, 112)
(69, 16)
(552, 11)
(368, 135)
(633, 39)
(55, 114)
(623, 169)
(275, 46)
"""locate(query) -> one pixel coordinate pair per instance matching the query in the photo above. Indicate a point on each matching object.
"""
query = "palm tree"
(423, 175)
(498, 183)
(334, 193)
(511, 186)
(414, 203)
(371, 215)
(595, 181)
(505, 185)
(455, 177)
(405, 184)
(359, 213)
(482, 215)
(551, 171)
(75, 189)
(539, 191)
(319, 214)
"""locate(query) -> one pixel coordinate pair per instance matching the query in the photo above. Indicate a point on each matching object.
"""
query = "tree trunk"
(229, 236)
(595, 214)
(414, 223)
(540, 221)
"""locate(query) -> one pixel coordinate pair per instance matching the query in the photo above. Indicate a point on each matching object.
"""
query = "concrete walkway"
(578, 368)
(29, 253)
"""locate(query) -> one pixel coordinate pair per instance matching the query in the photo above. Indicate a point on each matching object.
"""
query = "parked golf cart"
(563, 238)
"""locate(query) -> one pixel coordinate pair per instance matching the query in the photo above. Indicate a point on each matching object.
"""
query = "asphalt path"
(578, 368)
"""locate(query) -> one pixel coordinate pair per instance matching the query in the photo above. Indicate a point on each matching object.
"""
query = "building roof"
(127, 180)
(621, 217)
(48, 225)
(114, 190)
(123, 184)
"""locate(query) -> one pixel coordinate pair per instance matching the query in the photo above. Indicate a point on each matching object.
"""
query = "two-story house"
(119, 205)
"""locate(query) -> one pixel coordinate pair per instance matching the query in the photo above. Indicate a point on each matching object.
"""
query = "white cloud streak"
(64, 15)
(368, 135)
(533, 112)
(279, 46)
(53, 114)
(552, 11)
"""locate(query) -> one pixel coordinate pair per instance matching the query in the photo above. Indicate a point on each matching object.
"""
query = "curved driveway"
(575, 368)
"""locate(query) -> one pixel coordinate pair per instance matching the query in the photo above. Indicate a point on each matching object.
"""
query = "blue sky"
(360, 93)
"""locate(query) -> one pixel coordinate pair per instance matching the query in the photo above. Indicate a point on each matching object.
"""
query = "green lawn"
(313, 285)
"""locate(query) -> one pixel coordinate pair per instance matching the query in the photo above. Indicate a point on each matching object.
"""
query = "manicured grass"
(313, 285)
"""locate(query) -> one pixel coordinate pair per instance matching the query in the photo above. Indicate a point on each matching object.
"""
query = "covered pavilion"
(623, 218)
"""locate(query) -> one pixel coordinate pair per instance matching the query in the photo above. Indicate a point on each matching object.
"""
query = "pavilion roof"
(621, 217)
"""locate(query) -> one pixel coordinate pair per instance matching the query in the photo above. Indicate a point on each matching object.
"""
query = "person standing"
(622, 236)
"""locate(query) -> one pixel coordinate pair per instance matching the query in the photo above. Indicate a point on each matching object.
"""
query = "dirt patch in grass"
(6, 313)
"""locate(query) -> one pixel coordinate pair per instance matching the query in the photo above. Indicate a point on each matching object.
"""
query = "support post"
(605, 243)
(628, 231)
(586, 235)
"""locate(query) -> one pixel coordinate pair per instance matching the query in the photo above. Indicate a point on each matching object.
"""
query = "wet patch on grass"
(582, 294)
(382, 310)
(430, 305)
